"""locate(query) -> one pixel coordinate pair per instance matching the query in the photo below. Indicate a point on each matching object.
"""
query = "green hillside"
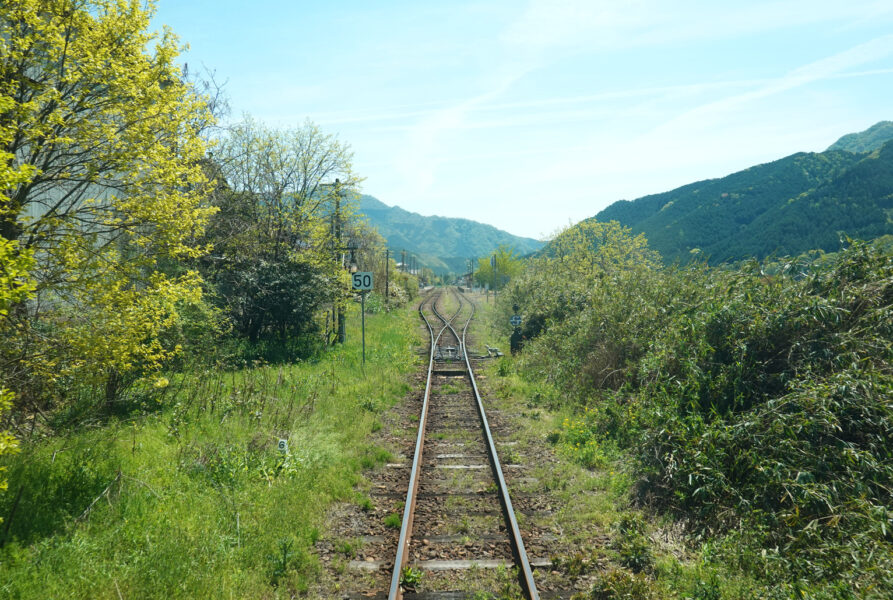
(441, 243)
(801, 202)
(865, 141)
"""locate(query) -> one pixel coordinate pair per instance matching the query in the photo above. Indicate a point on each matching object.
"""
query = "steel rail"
(395, 593)
(525, 573)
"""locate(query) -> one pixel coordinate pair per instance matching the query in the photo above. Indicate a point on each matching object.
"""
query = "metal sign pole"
(363, 318)
(341, 318)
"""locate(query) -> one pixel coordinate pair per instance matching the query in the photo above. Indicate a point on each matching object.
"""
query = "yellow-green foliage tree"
(15, 283)
(100, 139)
(578, 262)
(499, 268)
(15, 286)
(577, 299)
(592, 248)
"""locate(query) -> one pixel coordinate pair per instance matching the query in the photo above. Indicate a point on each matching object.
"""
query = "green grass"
(449, 389)
(195, 499)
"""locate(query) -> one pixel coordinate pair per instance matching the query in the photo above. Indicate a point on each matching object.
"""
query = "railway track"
(457, 512)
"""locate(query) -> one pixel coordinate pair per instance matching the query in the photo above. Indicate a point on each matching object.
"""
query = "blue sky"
(533, 115)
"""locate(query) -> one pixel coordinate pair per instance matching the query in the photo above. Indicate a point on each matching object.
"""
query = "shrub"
(632, 544)
(621, 585)
(753, 403)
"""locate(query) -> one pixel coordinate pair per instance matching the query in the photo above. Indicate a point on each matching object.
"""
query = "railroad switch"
(446, 354)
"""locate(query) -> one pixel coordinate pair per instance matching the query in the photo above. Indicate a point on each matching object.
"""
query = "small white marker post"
(283, 446)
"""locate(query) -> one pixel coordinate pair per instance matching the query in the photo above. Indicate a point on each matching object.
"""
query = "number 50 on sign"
(361, 280)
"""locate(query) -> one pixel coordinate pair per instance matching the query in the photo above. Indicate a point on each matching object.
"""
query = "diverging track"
(458, 511)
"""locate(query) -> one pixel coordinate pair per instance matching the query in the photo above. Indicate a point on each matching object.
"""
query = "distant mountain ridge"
(798, 203)
(442, 243)
(865, 141)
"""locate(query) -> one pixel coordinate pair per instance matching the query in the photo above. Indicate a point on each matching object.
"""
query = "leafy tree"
(15, 283)
(100, 138)
(497, 274)
(15, 286)
(592, 247)
(557, 285)
(576, 301)
(274, 262)
(370, 256)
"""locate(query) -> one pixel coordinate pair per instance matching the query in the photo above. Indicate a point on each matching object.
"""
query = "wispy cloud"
(418, 162)
(561, 24)
(835, 66)
(706, 140)
(478, 113)
(479, 105)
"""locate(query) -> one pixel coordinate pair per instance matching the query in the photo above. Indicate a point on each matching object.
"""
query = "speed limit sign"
(361, 280)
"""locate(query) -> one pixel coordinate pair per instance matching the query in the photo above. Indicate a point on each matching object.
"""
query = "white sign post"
(361, 281)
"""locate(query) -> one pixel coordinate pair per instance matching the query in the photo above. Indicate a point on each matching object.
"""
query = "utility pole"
(341, 325)
(387, 273)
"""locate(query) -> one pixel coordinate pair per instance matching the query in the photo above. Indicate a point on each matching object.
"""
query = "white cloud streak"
(834, 66)
(567, 24)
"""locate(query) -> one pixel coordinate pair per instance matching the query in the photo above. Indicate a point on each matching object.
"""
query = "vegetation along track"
(450, 488)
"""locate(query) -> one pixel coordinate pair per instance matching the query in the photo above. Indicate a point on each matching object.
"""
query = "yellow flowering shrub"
(102, 184)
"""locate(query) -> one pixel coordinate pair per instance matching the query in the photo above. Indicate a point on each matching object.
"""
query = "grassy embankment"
(193, 499)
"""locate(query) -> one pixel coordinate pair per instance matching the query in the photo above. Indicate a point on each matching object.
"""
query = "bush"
(632, 544)
(618, 584)
(752, 403)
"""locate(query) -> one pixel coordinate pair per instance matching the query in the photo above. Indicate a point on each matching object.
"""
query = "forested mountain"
(865, 141)
(442, 243)
(801, 202)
